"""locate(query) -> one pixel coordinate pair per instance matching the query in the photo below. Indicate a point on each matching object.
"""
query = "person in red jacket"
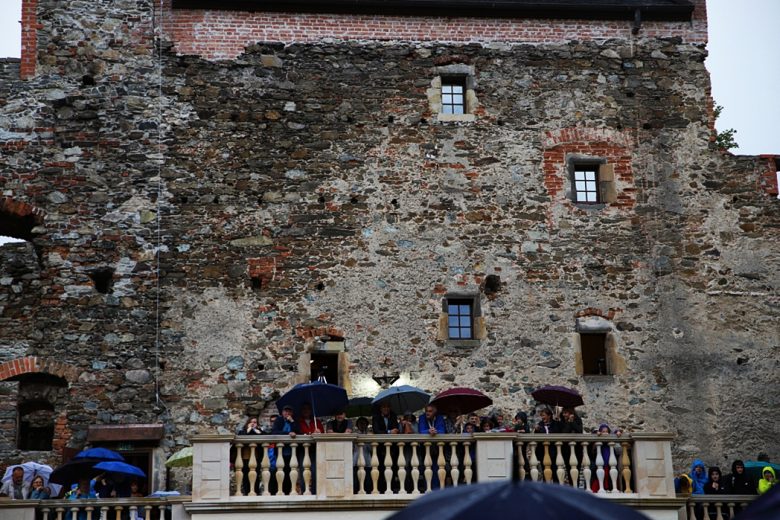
(308, 423)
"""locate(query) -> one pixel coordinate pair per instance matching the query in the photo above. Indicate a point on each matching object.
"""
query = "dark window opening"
(257, 283)
(586, 184)
(460, 319)
(594, 354)
(325, 368)
(36, 426)
(103, 279)
(453, 95)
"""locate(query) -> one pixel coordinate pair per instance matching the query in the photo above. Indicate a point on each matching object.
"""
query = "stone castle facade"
(216, 201)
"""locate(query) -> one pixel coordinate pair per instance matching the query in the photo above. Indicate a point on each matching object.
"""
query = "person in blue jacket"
(698, 477)
(431, 423)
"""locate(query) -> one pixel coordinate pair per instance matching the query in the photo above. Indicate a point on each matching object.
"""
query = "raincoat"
(698, 479)
(739, 484)
(764, 485)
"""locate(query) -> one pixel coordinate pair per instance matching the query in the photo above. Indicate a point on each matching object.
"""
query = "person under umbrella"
(81, 492)
(38, 489)
(385, 422)
(432, 423)
(16, 488)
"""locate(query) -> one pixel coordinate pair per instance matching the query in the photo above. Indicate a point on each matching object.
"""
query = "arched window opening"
(103, 279)
(38, 395)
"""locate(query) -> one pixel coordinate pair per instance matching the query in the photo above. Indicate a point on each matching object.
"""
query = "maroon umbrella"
(558, 396)
(464, 399)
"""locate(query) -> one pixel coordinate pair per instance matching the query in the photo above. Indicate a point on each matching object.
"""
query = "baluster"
(294, 468)
(162, 511)
(388, 469)
(428, 462)
(599, 469)
(375, 468)
(280, 469)
(361, 471)
(718, 511)
(266, 465)
(415, 470)
(442, 463)
(626, 468)
(613, 472)
(89, 510)
(118, 510)
(148, 512)
(534, 462)
(586, 463)
(691, 512)
(239, 465)
(104, 512)
(706, 506)
(561, 472)
(45, 513)
(573, 464)
(306, 469)
(730, 505)
(60, 511)
(520, 460)
(547, 462)
(133, 513)
(454, 462)
(467, 472)
(74, 511)
(252, 469)
(402, 468)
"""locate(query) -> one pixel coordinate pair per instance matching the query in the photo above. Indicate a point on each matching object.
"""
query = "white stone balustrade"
(111, 508)
(718, 507)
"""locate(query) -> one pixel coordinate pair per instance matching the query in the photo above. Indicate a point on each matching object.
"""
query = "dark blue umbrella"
(101, 454)
(120, 467)
(73, 470)
(325, 399)
(523, 499)
(402, 398)
(358, 406)
(766, 507)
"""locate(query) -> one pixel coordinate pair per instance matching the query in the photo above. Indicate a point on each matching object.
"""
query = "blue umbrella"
(524, 499)
(120, 467)
(100, 454)
(325, 399)
(402, 398)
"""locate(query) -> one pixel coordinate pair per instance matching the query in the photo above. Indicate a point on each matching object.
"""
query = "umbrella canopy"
(558, 396)
(70, 472)
(358, 407)
(32, 470)
(99, 454)
(766, 507)
(114, 466)
(180, 459)
(755, 467)
(402, 398)
(325, 399)
(523, 499)
(466, 400)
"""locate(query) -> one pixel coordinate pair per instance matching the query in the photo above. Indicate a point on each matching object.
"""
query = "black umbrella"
(70, 472)
(767, 507)
(523, 500)
(358, 406)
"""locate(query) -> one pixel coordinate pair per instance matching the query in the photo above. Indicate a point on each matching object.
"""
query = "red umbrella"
(464, 399)
(558, 396)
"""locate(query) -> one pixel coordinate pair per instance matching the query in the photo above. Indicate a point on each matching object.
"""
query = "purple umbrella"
(558, 396)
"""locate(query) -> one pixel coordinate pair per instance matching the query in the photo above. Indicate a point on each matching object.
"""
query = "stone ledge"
(463, 343)
(456, 118)
(598, 379)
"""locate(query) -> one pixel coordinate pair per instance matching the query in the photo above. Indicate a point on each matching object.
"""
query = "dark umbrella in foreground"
(766, 507)
(114, 466)
(558, 396)
(324, 399)
(515, 500)
(70, 472)
(358, 407)
(466, 400)
(99, 454)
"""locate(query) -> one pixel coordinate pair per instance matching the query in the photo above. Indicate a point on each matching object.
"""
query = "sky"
(744, 59)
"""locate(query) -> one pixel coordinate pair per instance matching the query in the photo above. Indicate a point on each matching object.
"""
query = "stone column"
(334, 465)
(494, 456)
(210, 467)
(651, 462)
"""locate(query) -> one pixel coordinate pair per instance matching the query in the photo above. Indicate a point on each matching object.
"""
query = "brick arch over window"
(19, 218)
(31, 365)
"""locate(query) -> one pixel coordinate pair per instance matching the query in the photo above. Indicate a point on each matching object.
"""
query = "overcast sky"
(744, 63)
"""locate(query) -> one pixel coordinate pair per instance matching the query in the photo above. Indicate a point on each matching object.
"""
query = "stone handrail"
(723, 506)
(105, 508)
(361, 466)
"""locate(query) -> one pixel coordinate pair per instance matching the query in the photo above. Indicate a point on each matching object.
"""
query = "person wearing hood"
(739, 482)
(769, 480)
(698, 476)
(715, 485)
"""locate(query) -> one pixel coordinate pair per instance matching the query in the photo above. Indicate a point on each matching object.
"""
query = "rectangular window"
(586, 184)
(461, 320)
(594, 354)
(453, 96)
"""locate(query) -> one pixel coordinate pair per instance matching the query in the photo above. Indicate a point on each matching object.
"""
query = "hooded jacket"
(739, 484)
(698, 479)
(764, 485)
(713, 487)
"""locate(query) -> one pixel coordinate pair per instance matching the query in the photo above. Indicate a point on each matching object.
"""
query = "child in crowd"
(766, 483)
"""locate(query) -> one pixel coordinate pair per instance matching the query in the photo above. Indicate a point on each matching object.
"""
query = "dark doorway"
(594, 354)
(325, 366)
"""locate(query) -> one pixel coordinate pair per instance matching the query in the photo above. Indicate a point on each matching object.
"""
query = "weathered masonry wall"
(306, 189)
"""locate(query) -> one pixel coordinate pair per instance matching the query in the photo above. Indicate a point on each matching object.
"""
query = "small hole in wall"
(390, 119)
(88, 81)
(646, 126)
(492, 284)
(321, 199)
(103, 280)
(353, 200)
(257, 284)
(630, 94)
(394, 202)
(320, 286)
(184, 200)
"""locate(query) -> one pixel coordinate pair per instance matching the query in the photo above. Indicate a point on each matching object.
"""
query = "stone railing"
(95, 509)
(718, 507)
(374, 467)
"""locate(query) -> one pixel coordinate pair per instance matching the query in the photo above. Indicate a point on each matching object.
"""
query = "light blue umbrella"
(100, 454)
(114, 466)
(402, 398)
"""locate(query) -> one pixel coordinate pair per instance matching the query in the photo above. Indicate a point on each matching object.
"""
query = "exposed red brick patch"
(29, 365)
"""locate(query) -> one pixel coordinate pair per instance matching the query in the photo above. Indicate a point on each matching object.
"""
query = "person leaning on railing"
(37, 489)
(738, 482)
(285, 425)
(16, 488)
(769, 480)
(81, 492)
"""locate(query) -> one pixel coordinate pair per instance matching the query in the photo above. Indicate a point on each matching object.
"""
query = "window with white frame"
(586, 184)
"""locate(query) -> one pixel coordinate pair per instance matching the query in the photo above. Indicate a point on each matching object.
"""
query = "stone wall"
(306, 188)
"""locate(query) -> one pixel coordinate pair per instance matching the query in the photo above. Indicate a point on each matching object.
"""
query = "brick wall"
(30, 28)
